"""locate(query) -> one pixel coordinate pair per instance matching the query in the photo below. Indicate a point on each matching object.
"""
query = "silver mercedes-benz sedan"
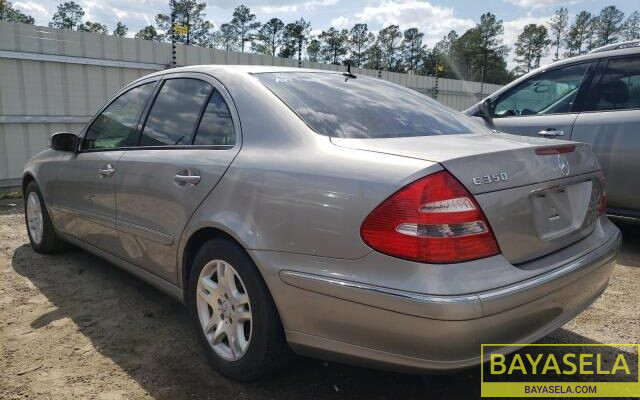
(330, 214)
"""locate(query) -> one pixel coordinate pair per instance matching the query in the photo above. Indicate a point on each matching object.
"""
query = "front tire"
(42, 235)
(233, 313)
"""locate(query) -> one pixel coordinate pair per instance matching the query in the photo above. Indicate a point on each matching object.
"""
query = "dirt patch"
(74, 326)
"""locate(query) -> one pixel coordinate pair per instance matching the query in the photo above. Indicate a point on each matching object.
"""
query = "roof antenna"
(348, 74)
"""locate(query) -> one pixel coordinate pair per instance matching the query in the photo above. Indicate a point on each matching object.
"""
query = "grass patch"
(10, 195)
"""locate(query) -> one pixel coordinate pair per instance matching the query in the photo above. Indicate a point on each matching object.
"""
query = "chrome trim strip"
(606, 250)
(382, 290)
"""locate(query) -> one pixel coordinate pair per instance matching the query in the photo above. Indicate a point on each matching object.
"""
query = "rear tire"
(233, 313)
(42, 235)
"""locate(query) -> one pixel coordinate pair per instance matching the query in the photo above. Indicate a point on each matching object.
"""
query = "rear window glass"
(363, 107)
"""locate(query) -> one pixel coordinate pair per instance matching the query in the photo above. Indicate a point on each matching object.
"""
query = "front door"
(542, 105)
(187, 143)
(610, 122)
(83, 201)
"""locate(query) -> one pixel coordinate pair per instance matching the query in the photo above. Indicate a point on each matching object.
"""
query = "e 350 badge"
(493, 178)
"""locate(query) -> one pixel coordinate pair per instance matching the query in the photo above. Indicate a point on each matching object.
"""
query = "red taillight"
(434, 219)
(602, 204)
(547, 151)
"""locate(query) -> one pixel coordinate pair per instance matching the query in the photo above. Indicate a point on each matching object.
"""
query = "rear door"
(610, 122)
(543, 105)
(190, 136)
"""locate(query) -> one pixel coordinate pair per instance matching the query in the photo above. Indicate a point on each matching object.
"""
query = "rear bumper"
(336, 318)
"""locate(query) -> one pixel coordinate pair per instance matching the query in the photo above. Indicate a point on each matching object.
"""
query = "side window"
(116, 126)
(618, 88)
(216, 126)
(173, 116)
(551, 92)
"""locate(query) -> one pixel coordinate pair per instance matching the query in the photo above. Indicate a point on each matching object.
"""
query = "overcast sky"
(435, 18)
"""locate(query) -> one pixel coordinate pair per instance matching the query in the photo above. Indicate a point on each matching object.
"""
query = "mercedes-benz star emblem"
(563, 164)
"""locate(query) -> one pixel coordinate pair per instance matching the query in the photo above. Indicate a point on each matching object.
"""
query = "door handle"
(106, 171)
(189, 176)
(551, 132)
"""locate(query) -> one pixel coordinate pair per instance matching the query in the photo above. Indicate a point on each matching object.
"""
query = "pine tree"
(559, 25)
(359, 40)
(93, 27)
(190, 14)
(149, 32)
(10, 14)
(269, 37)
(608, 26)
(412, 48)
(245, 24)
(531, 46)
(67, 16)
(334, 45)
(579, 33)
(121, 30)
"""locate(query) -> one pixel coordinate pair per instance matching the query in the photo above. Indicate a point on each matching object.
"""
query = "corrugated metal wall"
(54, 80)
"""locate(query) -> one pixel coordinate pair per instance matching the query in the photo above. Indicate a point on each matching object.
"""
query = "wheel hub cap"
(224, 310)
(35, 222)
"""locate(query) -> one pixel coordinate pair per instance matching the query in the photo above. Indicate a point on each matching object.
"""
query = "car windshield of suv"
(339, 106)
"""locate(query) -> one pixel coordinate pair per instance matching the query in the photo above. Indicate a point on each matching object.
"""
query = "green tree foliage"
(579, 34)
(93, 27)
(294, 38)
(479, 53)
(389, 40)
(10, 14)
(374, 56)
(226, 37)
(334, 45)
(413, 51)
(245, 25)
(191, 14)
(533, 44)
(121, 30)
(67, 16)
(149, 32)
(608, 26)
(269, 37)
(559, 26)
(491, 49)
(442, 54)
(631, 27)
(313, 50)
(359, 41)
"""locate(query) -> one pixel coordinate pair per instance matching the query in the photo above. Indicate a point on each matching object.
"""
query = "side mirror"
(485, 110)
(64, 141)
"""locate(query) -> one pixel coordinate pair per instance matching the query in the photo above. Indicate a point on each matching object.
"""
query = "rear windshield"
(335, 105)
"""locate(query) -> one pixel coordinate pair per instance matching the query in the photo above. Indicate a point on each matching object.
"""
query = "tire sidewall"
(49, 240)
(262, 312)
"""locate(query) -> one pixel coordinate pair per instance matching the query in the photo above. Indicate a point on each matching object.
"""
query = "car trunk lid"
(538, 195)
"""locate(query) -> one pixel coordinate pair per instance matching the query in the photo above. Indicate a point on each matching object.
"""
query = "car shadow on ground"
(630, 252)
(149, 336)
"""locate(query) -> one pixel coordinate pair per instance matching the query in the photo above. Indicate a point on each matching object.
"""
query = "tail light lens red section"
(547, 151)
(433, 220)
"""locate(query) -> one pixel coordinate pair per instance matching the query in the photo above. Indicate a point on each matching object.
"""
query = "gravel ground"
(74, 326)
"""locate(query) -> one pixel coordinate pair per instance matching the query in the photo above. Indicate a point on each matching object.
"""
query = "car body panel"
(84, 203)
(295, 201)
(611, 133)
(614, 139)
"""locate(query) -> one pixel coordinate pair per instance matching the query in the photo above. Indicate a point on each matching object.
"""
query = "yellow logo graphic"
(561, 370)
